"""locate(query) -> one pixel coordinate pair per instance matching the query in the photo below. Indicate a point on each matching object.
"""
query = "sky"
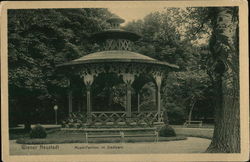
(130, 13)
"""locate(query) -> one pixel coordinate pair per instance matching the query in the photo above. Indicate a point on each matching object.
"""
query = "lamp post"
(55, 108)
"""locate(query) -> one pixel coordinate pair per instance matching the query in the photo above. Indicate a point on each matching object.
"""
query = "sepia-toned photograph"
(128, 78)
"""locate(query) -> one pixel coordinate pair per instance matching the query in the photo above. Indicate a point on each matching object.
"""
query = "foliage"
(160, 39)
(147, 99)
(188, 89)
(176, 113)
(38, 40)
(119, 94)
(75, 120)
(41, 39)
(167, 131)
(222, 67)
(166, 37)
(38, 132)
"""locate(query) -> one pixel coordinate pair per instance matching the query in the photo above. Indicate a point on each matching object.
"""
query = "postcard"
(125, 80)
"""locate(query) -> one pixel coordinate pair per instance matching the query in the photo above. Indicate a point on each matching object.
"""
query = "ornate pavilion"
(116, 58)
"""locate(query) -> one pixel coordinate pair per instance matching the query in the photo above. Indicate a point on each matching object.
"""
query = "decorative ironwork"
(128, 78)
(88, 79)
(139, 118)
(75, 120)
(146, 116)
(120, 69)
(104, 118)
(117, 44)
(109, 116)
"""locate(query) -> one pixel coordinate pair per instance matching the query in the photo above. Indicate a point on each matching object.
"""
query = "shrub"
(38, 132)
(167, 131)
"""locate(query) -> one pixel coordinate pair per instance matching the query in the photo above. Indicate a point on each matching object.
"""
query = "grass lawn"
(209, 126)
(195, 132)
(55, 136)
(16, 134)
(21, 133)
(58, 137)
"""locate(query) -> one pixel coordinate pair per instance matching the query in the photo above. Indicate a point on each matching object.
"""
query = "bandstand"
(116, 57)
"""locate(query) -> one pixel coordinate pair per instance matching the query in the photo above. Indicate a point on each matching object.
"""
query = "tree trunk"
(27, 126)
(26, 108)
(190, 112)
(226, 138)
(165, 117)
(110, 100)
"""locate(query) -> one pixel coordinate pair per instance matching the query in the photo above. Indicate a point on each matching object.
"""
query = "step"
(120, 135)
(118, 125)
(103, 136)
(108, 129)
(140, 135)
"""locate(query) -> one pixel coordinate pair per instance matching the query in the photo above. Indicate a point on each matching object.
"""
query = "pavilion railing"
(142, 118)
(105, 117)
(75, 120)
(119, 117)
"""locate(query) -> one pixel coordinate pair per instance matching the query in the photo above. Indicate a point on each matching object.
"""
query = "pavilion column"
(88, 80)
(158, 80)
(88, 88)
(128, 100)
(128, 79)
(70, 101)
(138, 102)
(70, 96)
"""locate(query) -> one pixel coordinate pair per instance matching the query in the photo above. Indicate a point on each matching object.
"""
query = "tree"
(225, 72)
(164, 37)
(184, 93)
(161, 39)
(219, 25)
(38, 40)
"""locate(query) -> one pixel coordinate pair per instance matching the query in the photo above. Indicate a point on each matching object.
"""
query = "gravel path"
(191, 145)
